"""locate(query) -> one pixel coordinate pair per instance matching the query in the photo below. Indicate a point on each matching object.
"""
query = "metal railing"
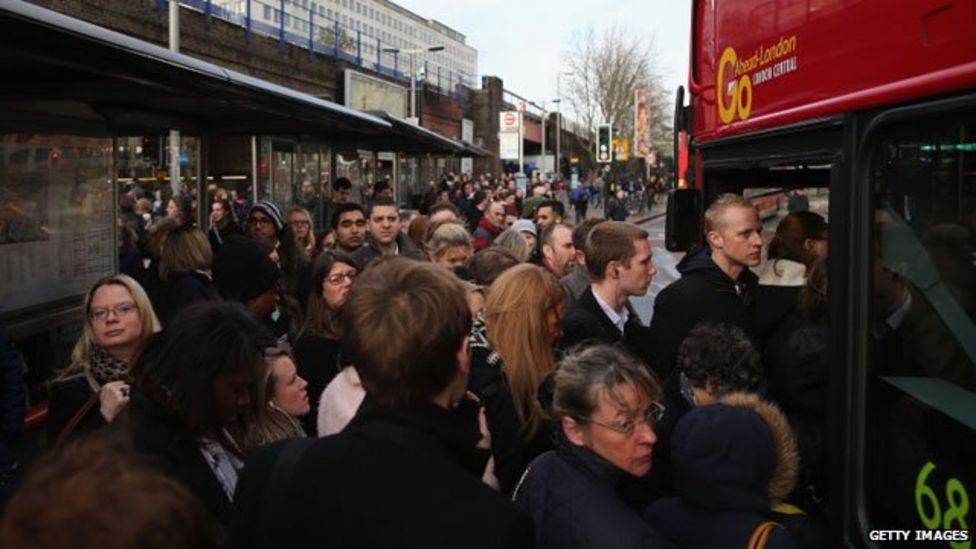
(291, 23)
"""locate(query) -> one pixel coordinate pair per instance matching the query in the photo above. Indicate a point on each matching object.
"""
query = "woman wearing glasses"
(95, 387)
(301, 224)
(606, 403)
(317, 346)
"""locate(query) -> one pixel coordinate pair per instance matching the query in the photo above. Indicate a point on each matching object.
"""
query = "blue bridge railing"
(291, 22)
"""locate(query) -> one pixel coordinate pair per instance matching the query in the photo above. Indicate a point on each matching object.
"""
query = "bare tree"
(606, 68)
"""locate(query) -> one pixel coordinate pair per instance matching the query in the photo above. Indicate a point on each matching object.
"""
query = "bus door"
(917, 392)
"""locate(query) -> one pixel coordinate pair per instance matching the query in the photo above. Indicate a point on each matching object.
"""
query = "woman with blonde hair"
(286, 396)
(93, 390)
(511, 355)
(301, 224)
(449, 245)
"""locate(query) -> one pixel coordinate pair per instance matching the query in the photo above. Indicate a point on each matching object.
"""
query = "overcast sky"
(524, 41)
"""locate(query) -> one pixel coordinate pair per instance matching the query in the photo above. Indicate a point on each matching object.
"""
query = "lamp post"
(413, 72)
(545, 115)
(559, 121)
(175, 181)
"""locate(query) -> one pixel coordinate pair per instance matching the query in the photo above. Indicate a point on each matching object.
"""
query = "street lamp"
(559, 121)
(413, 72)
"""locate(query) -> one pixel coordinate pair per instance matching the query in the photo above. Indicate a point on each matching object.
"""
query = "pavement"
(656, 211)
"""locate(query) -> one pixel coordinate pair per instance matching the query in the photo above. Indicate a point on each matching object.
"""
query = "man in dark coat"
(618, 259)
(616, 208)
(406, 472)
(385, 236)
(341, 188)
(716, 284)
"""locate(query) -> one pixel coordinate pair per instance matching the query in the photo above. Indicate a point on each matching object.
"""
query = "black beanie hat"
(241, 271)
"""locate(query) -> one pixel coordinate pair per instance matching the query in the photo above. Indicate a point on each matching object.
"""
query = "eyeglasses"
(101, 314)
(653, 415)
(338, 278)
(259, 221)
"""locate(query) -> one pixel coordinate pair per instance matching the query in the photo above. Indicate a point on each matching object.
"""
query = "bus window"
(920, 410)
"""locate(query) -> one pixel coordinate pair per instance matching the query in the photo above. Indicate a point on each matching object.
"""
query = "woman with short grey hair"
(606, 404)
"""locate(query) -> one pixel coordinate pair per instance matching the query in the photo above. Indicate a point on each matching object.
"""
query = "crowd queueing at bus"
(338, 374)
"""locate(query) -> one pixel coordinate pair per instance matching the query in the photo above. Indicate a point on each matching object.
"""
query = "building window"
(267, 13)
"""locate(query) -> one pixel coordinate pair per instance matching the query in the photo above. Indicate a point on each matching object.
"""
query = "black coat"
(217, 234)
(727, 461)
(615, 210)
(182, 289)
(512, 450)
(392, 478)
(167, 445)
(318, 363)
(298, 282)
(773, 305)
(796, 359)
(777, 296)
(575, 498)
(370, 251)
(585, 321)
(704, 293)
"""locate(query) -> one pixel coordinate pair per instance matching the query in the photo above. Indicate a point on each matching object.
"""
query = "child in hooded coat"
(732, 462)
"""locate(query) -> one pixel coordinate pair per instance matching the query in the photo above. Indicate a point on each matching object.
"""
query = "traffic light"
(604, 136)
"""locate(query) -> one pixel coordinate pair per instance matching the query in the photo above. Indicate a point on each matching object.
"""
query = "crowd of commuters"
(471, 377)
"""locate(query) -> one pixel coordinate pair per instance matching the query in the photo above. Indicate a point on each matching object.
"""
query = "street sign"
(508, 121)
(508, 145)
(621, 150)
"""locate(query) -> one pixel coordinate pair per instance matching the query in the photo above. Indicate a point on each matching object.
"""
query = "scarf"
(106, 368)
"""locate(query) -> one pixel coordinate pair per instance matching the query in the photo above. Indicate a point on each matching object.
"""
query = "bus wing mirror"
(683, 224)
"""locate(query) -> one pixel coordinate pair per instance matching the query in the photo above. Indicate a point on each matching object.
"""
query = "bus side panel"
(777, 62)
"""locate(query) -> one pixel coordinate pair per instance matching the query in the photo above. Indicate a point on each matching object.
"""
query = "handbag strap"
(761, 533)
(75, 420)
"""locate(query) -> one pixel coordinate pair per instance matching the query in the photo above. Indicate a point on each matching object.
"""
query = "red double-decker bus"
(872, 104)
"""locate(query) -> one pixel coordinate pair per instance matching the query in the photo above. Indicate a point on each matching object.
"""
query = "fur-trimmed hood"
(783, 480)
(737, 454)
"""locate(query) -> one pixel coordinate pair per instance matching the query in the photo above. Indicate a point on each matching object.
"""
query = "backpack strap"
(758, 538)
